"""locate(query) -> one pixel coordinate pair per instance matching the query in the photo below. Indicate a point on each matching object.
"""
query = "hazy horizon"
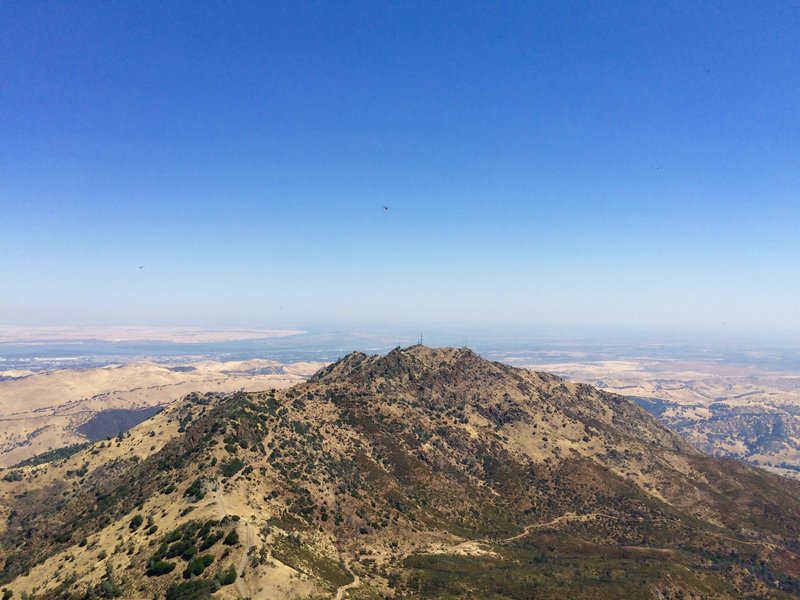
(408, 330)
(43, 349)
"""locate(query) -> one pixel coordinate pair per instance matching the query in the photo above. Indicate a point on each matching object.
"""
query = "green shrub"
(107, 588)
(197, 565)
(195, 490)
(178, 548)
(173, 536)
(136, 522)
(232, 538)
(227, 577)
(198, 589)
(160, 567)
(211, 540)
(232, 467)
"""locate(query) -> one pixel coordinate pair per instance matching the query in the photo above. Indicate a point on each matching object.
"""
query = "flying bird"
(385, 207)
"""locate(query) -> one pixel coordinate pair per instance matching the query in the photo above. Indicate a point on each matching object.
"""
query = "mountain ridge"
(398, 472)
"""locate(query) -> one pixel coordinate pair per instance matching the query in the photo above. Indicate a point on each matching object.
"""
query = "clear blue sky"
(609, 164)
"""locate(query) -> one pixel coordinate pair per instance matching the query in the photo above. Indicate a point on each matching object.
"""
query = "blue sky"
(614, 165)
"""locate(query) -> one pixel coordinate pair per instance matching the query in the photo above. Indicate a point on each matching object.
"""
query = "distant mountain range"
(423, 473)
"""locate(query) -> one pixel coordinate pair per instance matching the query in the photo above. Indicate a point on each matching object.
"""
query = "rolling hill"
(729, 411)
(43, 412)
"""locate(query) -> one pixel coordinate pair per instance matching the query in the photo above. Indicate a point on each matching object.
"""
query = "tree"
(232, 538)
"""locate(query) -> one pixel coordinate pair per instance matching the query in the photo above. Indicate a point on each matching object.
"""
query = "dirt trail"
(343, 589)
(222, 512)
(561, 519)
(770, 545)
(586, 517)
(472, 544)
(250, 541)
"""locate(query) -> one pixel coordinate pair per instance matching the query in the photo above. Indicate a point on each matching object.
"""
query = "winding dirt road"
(561, 519)
(343, 589)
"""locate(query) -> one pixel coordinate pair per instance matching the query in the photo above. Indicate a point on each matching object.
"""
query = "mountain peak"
(421, 473)
(406, 364)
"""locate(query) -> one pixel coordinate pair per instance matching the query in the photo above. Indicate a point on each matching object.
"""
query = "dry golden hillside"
(738, 412)
(425, 473)
(40, 412)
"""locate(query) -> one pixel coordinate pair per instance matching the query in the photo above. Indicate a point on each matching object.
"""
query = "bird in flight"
(385, 207)
(140, 267)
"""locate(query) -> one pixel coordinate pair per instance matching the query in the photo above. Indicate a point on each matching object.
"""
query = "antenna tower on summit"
(419, 340)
